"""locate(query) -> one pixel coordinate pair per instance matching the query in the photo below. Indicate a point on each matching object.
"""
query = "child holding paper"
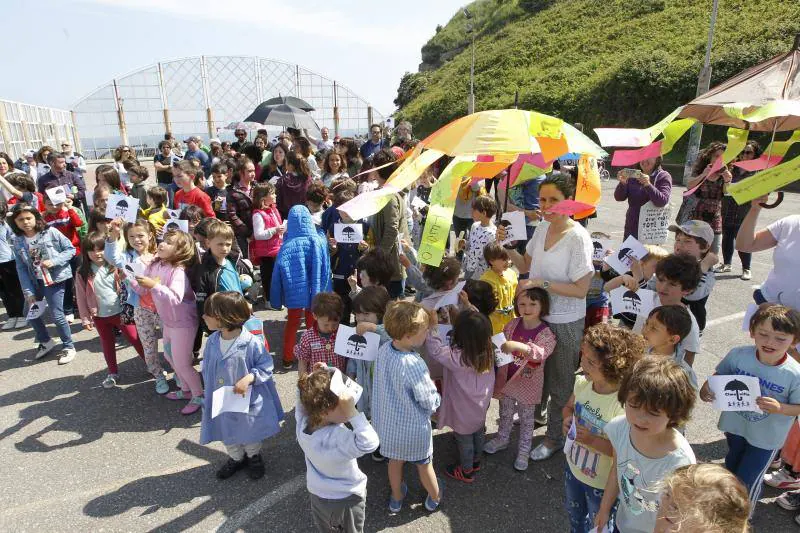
(403, 400)
(641, 276)
(336, 485)
(268, 230)
(98, 287)
(317, 343)
(519, 383)
(236, 360)
(482, 233)
(754, 437)
(693, 238)
(67, 221)
(468, 380)
(608, 354)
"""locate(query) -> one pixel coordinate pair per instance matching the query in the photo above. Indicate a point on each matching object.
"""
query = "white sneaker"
(70, 318)
(44, 349)
(10, 324)
(66, 356)
(746, 274)
(21, 322)
(111, 381)
(494, 446)
(781, 479)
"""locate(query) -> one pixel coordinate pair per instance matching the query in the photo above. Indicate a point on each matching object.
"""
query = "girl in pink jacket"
(166, 281)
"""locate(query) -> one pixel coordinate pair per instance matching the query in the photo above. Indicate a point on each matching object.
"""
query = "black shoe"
(377, 457)
(231, 467)
(255, 467)
(288, 365)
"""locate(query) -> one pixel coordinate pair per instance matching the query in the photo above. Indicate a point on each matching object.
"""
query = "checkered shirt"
(314, 348)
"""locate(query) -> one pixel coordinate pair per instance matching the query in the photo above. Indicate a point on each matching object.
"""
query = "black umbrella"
(290, 100)
(284, 115)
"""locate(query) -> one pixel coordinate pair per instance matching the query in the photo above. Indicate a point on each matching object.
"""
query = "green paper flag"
(765, 182)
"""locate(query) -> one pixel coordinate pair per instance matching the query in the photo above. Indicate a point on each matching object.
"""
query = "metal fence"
(201, 96)
(25, 126)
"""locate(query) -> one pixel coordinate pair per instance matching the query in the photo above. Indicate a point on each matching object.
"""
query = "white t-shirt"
(566, 262)
(783, 284)
(703, 290)
(225, 344)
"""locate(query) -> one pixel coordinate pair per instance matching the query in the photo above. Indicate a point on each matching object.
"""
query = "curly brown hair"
(704, 158)
(316, 395)
(617, 348)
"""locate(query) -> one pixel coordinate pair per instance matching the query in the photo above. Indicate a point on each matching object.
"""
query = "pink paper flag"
(624, 158)
(570, 207)
(761, 163)
(536, 160)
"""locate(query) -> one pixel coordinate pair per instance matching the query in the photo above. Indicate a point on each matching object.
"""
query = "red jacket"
(66, 221)
(195, 197)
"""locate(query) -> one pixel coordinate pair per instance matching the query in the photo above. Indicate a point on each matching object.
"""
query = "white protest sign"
(445, 332)
(224, 400)
(36, 309)
(354, 346)
(176, 225)
(173, 213)
(341, 384)
(133, 269)
(639, 302)
(570, 440)
(654, 223)
(748, 314)
(418, 202)
(499, 339)
(501, 358)
(57, 195)
(599, 248)
(348, 233)
(630, 249)
(451, 296)
(514, 221)
(735, 393)
(121, 206)
(89, 198)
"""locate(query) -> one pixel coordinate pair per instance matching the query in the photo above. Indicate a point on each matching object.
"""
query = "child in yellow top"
(504, 283)
(157, 214)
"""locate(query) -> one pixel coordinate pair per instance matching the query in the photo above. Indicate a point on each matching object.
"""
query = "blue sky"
(55, 52)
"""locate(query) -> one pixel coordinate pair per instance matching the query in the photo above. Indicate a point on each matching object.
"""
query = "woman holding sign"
(651, 184)
(557, 242)
(709, 187)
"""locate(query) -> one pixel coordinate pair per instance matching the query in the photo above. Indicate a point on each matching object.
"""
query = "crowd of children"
(628, 467)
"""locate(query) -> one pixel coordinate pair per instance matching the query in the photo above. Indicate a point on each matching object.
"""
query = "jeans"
(470, 448)
(69, 289)
(171, 190)
(582, 503)
(54, 294)
(728, 245)
(749, 464)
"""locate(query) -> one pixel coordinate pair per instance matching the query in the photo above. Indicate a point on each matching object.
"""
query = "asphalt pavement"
(77, 457)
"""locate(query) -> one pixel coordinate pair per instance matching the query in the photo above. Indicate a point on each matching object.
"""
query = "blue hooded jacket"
(302, 267)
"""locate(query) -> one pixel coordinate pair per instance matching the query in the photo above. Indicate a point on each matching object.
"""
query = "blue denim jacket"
(6, 242)
(56, 247)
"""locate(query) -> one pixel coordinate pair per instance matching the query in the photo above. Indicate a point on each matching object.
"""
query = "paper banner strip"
(762, 163)
(632, 137)
(625, 158)
(775, 108)
(570, 207)
(765, 182)
(674, 132)
(587, 187)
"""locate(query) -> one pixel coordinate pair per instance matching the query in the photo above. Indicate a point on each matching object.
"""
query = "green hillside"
(599, 62)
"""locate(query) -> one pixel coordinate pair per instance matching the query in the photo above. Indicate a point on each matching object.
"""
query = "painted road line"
(726, 318)
(246, 515)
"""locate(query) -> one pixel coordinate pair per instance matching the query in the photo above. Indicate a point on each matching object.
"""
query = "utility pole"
(471, 98)
(703, 84)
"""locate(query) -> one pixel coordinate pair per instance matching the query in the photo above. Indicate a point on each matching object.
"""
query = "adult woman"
(709, 192)
(216, 153)
(559, 259)
(42, 161)
(240, 203)
(277, 167)
(254, 154)
(302, 147)
(653, 185)
(733, 214)
(122, 153)
(346, 146)
(292, 187)
(261, 142)
(333, 168)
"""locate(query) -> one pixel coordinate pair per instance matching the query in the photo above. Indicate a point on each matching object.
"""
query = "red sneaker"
(456, 472)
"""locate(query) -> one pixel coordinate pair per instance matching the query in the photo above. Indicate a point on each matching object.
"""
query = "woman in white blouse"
(558, 259)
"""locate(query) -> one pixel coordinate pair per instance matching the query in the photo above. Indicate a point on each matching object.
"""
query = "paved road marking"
(726, 318)
(247, 514)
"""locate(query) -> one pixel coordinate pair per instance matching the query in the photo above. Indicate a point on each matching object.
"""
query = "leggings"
(267, 265)
(526, 413)
(728, 245)
(11, 290)
(147, 322)
(178, 344)
(290, 331)
(105, 329)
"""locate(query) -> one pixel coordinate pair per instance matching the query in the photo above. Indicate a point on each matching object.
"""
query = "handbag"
(688, 205)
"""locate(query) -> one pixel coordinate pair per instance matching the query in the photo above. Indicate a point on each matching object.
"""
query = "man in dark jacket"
(391, 223)
(59, 175)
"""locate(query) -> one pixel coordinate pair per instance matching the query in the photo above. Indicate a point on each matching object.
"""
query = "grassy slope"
(599, 62)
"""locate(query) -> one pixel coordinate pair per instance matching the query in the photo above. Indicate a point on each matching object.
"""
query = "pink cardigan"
(173, 296)
(87, 299)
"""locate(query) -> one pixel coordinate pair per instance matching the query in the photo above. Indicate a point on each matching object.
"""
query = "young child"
(482, 233)
(191, 214)
(703, 498)
(503, 280)
(302, 270)
(754, 438)
(519, 384)
(420, 214)
(372, 268)
(98, 285)
(217, 190)
(157, 214)
(657, 398)
(10, 290)
(479, 297)
(345, 255)
(640, 277)
(101, 193)
(316, 196)
(67, 221)
(42, 257)
(268, 230)
(403, 400)
(235, 358)
(140, 247)
(694, 238)
(664, 330)
(167, 282)
(468, 361)
(336, 486)
(369, 307)
(188, 193)
(677, 276)
(316, 344)
(608, 354)
(138, 175)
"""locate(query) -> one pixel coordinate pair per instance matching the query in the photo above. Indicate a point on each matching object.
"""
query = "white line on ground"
(240, 519)
(726, 318)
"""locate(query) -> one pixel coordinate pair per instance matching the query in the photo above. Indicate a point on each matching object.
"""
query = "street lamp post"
(703, 84)
(471, 98)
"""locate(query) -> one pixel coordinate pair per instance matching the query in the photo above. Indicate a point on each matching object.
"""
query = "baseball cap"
(214, 140)
(194, 138)
(695, 228)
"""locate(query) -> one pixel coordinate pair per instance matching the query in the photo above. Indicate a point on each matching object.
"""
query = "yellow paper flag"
(544, 126)
(674, 132)
(765, 182)
(587, 189)
(737, 139)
